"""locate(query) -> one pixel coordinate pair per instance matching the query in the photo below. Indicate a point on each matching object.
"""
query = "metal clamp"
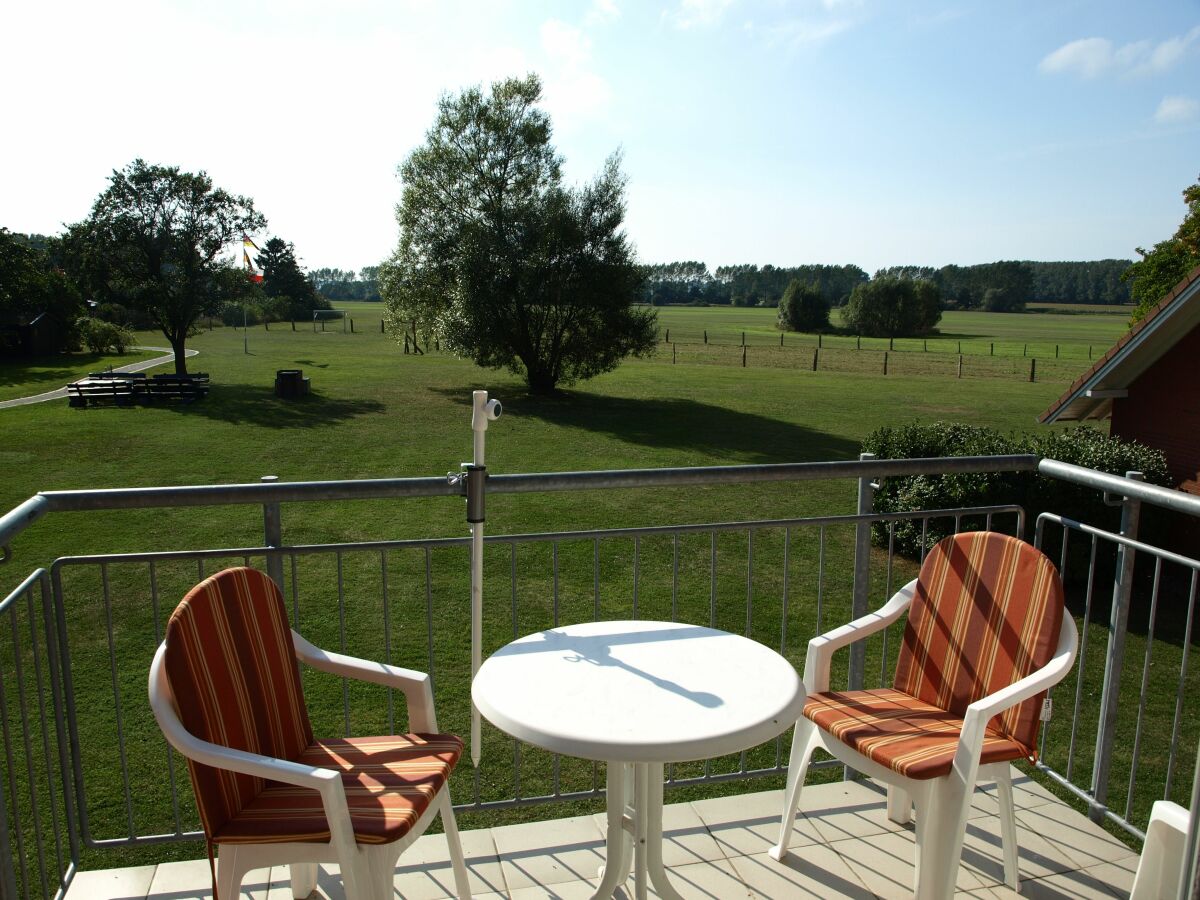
(476, 477)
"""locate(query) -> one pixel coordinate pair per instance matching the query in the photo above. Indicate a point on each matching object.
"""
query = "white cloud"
(700, 13)
(1091, 57)
(574, 93)
(1176, 110)
(602, 12)
(799, 31)
(565, 43)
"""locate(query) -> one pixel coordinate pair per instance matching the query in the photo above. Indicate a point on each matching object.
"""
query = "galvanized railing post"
(862, 575)
(273, 535)
(1118, 620)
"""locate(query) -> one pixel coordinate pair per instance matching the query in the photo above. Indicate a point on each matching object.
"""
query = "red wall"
(1163, 410)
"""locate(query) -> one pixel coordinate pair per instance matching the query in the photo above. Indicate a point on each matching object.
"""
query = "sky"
(872, 132)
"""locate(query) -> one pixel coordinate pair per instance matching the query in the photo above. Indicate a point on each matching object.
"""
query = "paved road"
(61, 392)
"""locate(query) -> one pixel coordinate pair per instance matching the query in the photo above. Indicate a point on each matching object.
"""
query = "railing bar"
(65, 736)
(1144, 693)
(154, 612)
(112, 659)
(675, 576)
(512, 586)
(924, 538)
(783, 623)
(554, 558)
(888, 593)
(10, 766)
(749, 580)
(200, 569)
(958, 523)
(596, 578)
(429, 615)
(1083, 648)
(34, 805)
(1080, 794)
(341, 593)
(1044, 732)
(712, 607)
(295, 591)
(1165, 555)
(40, 685)
(637, 546)
(1183, 667)
(820, 576)
(387, 636)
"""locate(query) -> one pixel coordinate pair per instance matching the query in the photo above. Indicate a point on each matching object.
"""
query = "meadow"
(376, 412)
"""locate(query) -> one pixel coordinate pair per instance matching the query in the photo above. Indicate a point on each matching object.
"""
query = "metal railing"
(71, 788)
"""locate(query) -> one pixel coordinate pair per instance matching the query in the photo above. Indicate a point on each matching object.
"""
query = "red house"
(1149, 383)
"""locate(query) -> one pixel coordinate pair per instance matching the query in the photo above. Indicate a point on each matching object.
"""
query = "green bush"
(99, 336)
(234, 314)
(1083, 446)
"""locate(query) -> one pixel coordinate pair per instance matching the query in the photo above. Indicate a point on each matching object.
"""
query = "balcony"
(93, 804)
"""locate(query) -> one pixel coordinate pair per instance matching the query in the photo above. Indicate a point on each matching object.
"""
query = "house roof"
(1092, 394)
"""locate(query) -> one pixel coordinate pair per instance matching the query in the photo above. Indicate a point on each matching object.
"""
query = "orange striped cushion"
(987, 612)
(231, 664)
(389, 783)
(895, 730)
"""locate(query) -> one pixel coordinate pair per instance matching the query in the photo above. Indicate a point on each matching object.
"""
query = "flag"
(252, 271)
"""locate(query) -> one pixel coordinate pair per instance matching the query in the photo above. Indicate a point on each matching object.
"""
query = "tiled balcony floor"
(844, 846)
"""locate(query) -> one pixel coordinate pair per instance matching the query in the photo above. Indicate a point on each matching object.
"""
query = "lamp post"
(245, 333)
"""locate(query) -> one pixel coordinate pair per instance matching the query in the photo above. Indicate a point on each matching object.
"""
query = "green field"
(376, 412)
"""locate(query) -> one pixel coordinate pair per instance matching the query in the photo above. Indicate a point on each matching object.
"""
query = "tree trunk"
(540, 382)
(180, 356)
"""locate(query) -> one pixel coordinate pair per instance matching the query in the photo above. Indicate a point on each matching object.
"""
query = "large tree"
(502, 261)
(155, 241)
(894, 307)
(30, 286)
(289, 291)
(803, 308)
(1163, 267)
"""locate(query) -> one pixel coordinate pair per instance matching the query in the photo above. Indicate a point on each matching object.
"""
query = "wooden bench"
(121, 391)
(184, 388)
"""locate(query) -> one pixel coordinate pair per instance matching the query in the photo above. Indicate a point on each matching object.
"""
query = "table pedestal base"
(635, 806)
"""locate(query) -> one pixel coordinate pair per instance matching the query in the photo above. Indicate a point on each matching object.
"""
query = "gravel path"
(61, 392)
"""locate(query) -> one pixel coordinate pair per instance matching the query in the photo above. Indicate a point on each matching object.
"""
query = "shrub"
(99, 336)
(1083, 446)
(803, 308)
(234, 314)
(893, 307)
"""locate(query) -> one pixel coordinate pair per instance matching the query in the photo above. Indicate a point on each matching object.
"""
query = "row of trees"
(1005, 286)
(346, 284)
(1161, 268)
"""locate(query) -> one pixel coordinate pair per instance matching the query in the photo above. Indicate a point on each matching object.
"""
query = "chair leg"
(941, 822)
(231, 867)
(304, 879)
(899, 805)
(462, 887)
(1008, 827)
(804, 740)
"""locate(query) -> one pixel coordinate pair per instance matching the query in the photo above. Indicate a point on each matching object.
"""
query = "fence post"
(293, 324)
(885, 356)
(924, 346)
(815, 352)
(743, 339)
(266, 325)
(992, 351)
(352, 326)
(706, 335)
(743, 356)
(1025, 350)
(960, 365)
(891, 343)
(819, 339)
(273, 535)
(667, 339)
(381, 326)
(1106, 730)
(672, 354)
(781, 339)
(1033, 369)
(858, 342)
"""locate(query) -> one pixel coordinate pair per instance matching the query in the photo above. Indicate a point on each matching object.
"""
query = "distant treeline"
(1005, 285)
(346, 284)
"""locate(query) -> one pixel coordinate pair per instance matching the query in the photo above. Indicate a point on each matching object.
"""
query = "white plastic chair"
(366, 868)
(942, 803)
(1161, 866)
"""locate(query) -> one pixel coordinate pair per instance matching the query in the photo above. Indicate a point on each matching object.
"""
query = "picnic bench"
(128, 388)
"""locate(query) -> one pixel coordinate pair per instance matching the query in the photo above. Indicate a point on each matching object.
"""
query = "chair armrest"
(979, 713)
(415, 686)
(822, 648)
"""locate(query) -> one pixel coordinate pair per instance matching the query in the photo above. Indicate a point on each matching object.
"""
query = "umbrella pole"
(482, 412)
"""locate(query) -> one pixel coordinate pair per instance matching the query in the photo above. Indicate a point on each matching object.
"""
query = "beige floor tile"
(885, 864)
(1084, 842)
(424, 871)
(1027, 794)
(815, 870)
(847, 809)
(1096, 883)
(548, 853)
(749, 824)
(686, 839)
(110, 884)
(712, 880)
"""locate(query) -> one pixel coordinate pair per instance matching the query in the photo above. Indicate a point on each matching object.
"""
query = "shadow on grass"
(53, 370)
(252, 403)
(729, 435)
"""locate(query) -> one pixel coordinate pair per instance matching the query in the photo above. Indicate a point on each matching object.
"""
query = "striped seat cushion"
(389, 783)
(895, 730)
(987, 612)
(231, 664)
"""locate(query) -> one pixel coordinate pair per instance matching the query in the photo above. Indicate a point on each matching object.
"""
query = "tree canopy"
(30, 286)
(803, 308)
(289, 292)
(888, 306)
(502, 261)
(1163, 267)
(154, 242)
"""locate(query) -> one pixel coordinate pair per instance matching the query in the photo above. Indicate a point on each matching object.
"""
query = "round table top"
(638, 691)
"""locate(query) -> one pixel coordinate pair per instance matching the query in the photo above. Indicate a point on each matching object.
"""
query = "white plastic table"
(636, 695)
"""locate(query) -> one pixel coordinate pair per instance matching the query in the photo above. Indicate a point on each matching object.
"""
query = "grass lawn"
(376, 412)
